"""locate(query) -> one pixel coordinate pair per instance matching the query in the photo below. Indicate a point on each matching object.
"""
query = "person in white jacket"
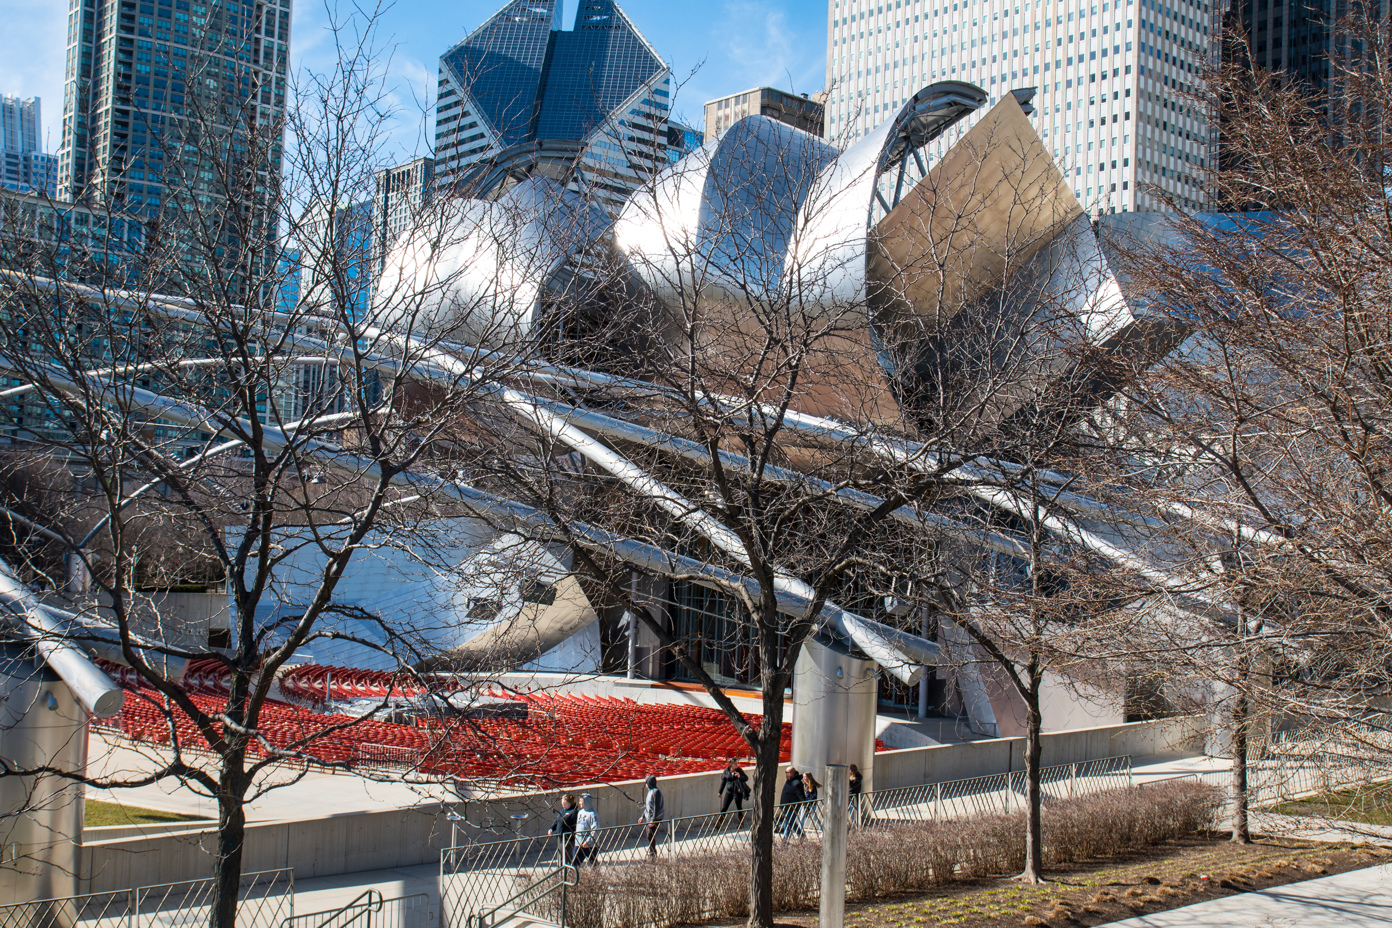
(586, 826)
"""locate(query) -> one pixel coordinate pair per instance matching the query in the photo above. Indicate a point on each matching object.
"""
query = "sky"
(715, 47)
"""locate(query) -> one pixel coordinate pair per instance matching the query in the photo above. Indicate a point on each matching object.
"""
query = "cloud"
(31, 59)
(774, 48)
(753, 44)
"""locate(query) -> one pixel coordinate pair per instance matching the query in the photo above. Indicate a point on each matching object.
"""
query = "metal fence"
(483, 883)
(1301, 763)
(1312, 761)
(369, 910)
(997, 792)
(267, 898)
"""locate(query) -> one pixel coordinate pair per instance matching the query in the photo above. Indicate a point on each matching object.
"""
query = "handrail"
(568, 877)
(370, 906)
(129, 906)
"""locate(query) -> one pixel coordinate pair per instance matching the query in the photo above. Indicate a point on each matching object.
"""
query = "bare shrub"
(1107, 823)
(904, 857)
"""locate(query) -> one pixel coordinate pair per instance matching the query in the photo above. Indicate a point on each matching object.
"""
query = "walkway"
(1357, 898)
(313, 795)
(323, 893)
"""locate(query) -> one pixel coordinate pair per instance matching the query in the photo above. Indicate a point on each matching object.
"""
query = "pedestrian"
(788, 799)
(586, 824)
(564, 826)
(734, 787)
(654, 811)
(854, 784)
(810, 815)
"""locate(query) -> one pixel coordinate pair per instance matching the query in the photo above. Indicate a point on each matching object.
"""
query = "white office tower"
(1110, 77)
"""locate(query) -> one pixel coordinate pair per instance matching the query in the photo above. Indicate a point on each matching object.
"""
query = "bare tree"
(218, 437)
(1260, 443)
(758, 430)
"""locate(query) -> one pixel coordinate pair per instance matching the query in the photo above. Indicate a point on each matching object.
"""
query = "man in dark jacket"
(654, 812)
(564, 825)
(792, 794)
(734, 787)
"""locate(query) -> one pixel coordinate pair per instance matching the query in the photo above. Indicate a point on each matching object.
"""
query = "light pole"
(833, 895)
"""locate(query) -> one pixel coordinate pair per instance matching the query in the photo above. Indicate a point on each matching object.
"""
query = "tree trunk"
(227, 868)
(763, 811)
(1034, 828)
(1240, 713)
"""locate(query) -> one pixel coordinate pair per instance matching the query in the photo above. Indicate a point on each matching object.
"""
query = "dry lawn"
(1167, 876)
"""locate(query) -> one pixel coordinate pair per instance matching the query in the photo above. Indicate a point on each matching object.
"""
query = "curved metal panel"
(661, 223)
(835, 696)
(718, 222)
(830, 250)
(477, 272)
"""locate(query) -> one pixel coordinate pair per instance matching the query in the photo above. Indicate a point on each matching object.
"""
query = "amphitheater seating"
(565, 739)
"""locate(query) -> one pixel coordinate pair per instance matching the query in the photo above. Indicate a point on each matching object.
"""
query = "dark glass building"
(176, 107)
(1301, 38)
(520, 95)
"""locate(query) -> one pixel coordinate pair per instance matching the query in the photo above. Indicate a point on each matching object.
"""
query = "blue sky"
(737, 44)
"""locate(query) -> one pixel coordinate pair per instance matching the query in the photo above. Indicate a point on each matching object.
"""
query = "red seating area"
(315, 681)
(565, 740)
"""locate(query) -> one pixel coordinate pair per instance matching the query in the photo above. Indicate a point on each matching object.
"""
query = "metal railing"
(994, 793)
(266, 899)
(543, 900)
(483, 876)
(369, 910)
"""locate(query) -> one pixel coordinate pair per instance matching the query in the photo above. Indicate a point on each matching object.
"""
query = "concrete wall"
(1065, 704)
(916, 766)
(408, 837)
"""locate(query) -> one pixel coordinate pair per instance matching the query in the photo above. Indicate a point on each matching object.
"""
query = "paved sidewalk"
(1348, 900)
(325, 893)
(1318, 829)
(311, 795)
(322, 893)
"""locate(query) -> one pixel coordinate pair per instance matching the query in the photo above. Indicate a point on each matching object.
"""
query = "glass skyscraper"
(23, 163)
(590, 103)
(176, 106)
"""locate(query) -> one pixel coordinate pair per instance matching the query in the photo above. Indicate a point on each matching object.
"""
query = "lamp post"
(832, 913)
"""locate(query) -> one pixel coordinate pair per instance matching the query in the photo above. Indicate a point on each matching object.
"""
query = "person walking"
(586, 824)
(854, 784)
(734, 787)
(810, 814)
(788, 799)
(654, 811)
(564, 826)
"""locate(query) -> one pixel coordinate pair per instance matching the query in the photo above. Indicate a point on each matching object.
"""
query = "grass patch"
(111, 813)
(1370, 805)
(1096, 892)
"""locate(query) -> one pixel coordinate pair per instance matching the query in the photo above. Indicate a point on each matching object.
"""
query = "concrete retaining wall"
(408, 837)
(916, 766)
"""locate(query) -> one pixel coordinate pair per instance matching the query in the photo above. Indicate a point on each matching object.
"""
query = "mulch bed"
(1154, 879)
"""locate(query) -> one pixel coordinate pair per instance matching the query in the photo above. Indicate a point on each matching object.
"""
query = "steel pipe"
(880, 639)
(97, 692)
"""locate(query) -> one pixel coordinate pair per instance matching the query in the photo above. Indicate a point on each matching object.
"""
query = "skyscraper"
(1109, 76)
(682, 140)
(587, 106)
(24, 165)
(800, 111)
(1303, 39)
(400, 193)
(172, 103)
(336, 256)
